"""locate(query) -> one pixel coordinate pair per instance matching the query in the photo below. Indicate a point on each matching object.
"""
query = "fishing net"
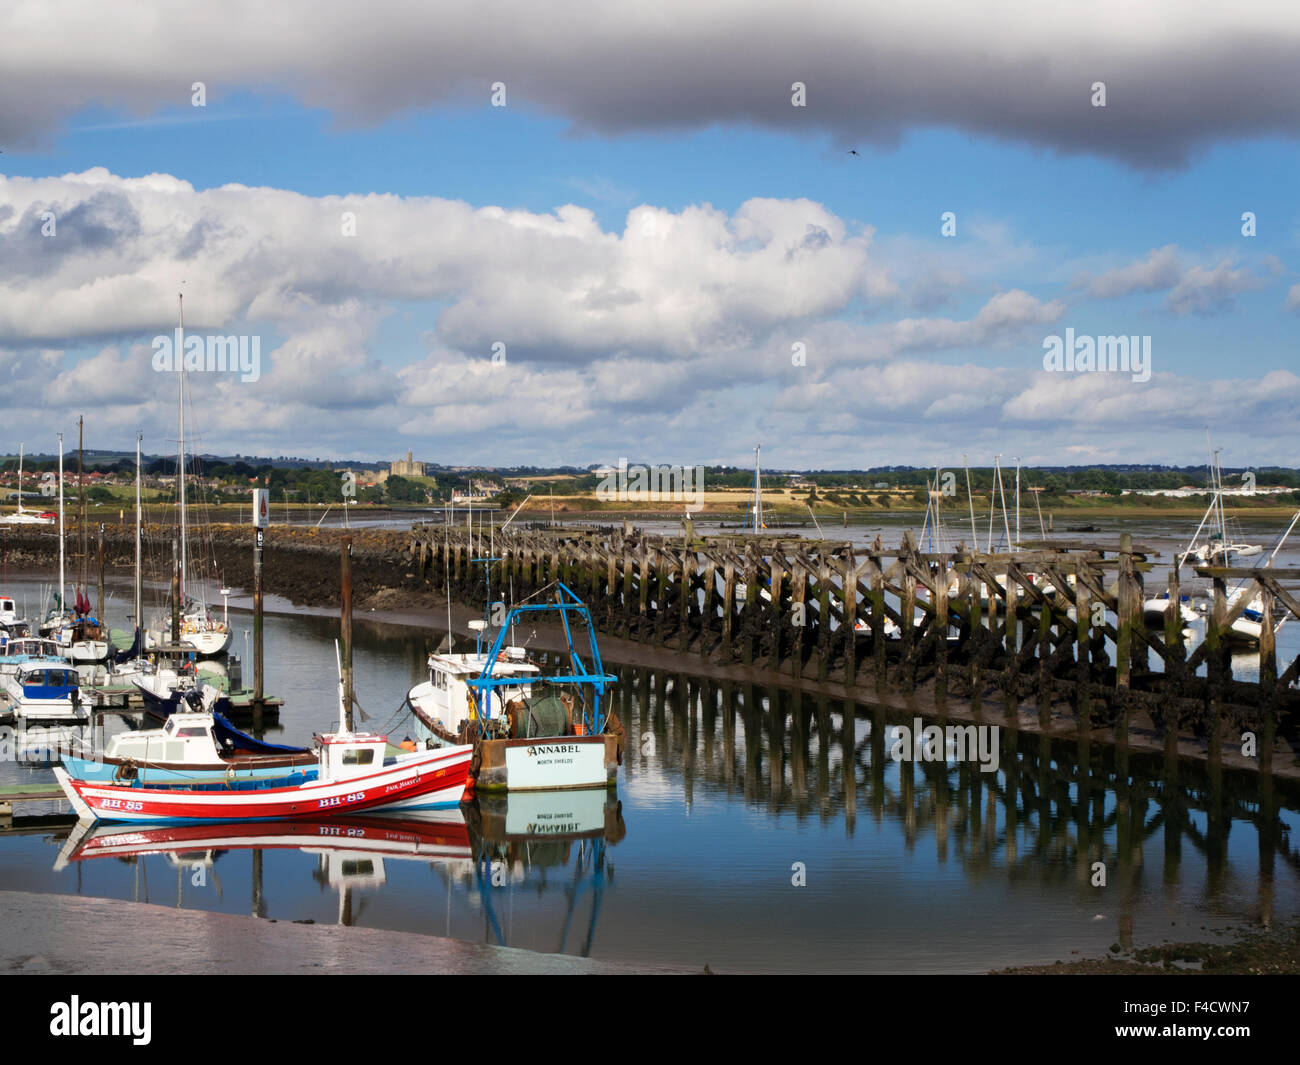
(544, 714)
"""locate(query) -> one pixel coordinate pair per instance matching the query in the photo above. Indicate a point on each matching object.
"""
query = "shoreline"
(76, 935)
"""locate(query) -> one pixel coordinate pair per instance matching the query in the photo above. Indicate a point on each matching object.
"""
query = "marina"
(731, 779)
(599, 490)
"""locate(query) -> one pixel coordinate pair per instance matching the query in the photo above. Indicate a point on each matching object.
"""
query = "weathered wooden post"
(1267, 683)
(1214, 642)
(1124, 613)
(628, 562)
(1175, 657)
(823, 616)
(1082, 651)
(1045, 619)
(643, 590)
(776, 605)
(908, 612)
(940, 624)
(1012, 704)
(707, 615)
(753, 583)
(879, 661)
(849, 616)
(728, 605)
(1124, 599)
(687, 590)
(799, 619)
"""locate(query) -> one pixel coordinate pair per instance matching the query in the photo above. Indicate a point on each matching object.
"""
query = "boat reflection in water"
(543, 840)
(350, 852)
(550, 842)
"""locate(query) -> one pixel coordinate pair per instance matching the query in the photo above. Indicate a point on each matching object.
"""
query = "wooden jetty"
(1060, 623)
(14, 793)
(126, 697)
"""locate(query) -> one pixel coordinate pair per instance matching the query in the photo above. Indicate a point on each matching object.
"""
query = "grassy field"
(729, 503)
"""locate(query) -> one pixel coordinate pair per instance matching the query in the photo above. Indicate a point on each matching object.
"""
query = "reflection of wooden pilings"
(849, 766)
(1268, 686)
(876, 766)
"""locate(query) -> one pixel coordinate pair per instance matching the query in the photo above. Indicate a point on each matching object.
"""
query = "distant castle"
(408, 468)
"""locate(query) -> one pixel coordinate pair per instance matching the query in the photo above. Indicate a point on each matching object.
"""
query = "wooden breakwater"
(1060, 626)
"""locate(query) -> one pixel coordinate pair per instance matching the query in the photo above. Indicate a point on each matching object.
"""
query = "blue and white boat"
(193, 748)
(37, 690)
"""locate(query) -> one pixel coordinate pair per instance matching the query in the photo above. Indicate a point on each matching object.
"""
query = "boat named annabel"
(530, 731)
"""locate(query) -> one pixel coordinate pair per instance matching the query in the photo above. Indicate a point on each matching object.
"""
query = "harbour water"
(754, 828)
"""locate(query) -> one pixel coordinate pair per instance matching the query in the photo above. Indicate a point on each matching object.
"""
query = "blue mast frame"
(565, 603)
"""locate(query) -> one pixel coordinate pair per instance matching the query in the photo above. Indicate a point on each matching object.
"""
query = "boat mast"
(61, 577)
(1017, 547)
(180, 464)
(974, 536)
(139, 587)
(81, 502)
(758, 490)
(20, 478)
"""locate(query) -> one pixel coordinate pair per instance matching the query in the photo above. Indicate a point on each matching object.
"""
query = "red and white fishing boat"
(354, 777)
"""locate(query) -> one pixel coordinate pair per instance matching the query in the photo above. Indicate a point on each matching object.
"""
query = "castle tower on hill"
(407, 467)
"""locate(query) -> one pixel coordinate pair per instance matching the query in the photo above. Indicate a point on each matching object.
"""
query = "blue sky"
(767, 233)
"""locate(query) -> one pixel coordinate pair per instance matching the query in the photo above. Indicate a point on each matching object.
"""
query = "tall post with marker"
(347, 627)
(261, 516)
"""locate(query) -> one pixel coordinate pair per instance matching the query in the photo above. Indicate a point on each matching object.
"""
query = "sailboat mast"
(139, 586)
(1017, 502)
(974, 536)
(180, 464)
(20, 478)
(81, 500)
(61, 576)
(758, 489)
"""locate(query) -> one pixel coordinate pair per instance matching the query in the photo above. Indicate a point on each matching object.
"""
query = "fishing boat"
(192, 747)
(530, 731)
(444, 704)
(555, 737)
(354, 774)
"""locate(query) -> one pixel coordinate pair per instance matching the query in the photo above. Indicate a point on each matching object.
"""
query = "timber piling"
(1059, 626)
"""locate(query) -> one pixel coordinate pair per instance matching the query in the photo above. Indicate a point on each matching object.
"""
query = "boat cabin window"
(359, 756)
(51, 678)
(196, 730)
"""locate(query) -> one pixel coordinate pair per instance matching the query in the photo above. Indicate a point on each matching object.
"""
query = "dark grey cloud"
(1179, 76)
(50, 234)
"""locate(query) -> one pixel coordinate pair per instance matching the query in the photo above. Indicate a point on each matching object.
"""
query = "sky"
(568, 233)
